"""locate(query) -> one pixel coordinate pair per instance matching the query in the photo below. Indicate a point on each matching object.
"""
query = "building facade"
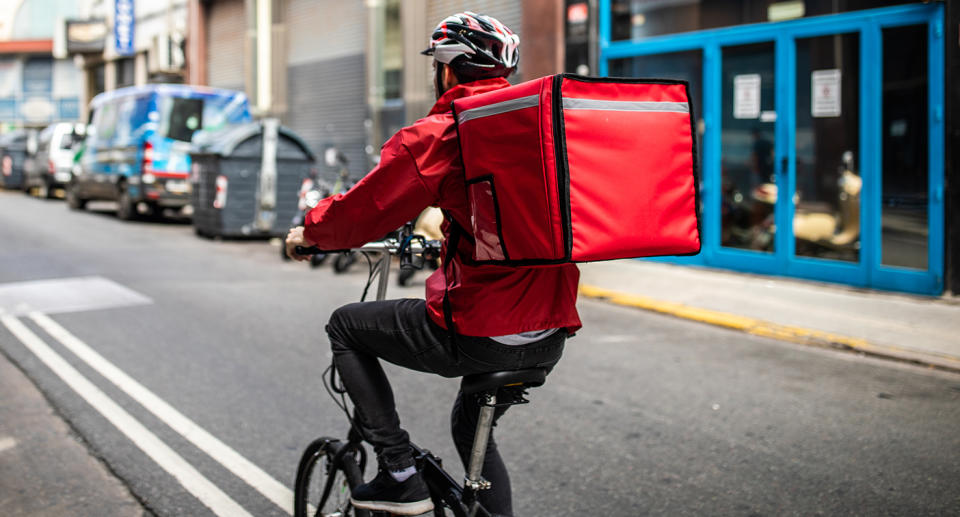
(36, 88)
(822, 131)
(342, 74)
(118, 43)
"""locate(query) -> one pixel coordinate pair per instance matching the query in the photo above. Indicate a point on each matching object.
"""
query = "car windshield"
(184, 116)
(69, 140)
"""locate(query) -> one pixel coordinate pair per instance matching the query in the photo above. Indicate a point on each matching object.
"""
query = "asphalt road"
(646, 415)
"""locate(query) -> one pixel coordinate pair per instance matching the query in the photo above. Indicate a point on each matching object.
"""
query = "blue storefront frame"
(869, 24)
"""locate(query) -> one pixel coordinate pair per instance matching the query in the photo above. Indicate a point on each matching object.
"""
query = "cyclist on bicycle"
(475, 318)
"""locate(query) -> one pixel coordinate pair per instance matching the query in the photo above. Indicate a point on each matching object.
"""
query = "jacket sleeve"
(390, 195)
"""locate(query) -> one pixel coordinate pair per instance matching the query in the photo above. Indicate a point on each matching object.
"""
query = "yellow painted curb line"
(759, 327)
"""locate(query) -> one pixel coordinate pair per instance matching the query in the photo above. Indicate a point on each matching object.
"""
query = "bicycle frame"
(461, 498)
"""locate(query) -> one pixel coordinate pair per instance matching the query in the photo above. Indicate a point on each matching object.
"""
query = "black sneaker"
(385, 494)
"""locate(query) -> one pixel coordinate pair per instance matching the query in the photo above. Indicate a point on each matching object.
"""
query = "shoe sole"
(414, 508)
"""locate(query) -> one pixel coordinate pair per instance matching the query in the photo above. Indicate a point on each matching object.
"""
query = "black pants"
(399, 331)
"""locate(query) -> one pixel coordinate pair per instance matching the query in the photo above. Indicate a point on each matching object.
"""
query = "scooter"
(840, 230)
(834, 230)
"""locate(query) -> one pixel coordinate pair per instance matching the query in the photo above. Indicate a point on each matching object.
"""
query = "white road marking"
(67, 295)
(193, 481)
(243, 468)
(613, 339)
(7, 442)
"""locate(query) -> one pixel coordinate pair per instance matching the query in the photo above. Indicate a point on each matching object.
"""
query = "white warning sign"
(825, 93)
(746, 96)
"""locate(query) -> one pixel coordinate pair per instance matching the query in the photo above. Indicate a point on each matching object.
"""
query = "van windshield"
(183, 116)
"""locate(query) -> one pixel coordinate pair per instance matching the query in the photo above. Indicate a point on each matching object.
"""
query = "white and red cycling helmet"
(476, 46)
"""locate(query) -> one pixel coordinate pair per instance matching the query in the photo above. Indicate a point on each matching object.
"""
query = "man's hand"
(295, 238)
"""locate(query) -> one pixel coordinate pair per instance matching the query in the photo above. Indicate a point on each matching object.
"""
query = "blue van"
(137, 147)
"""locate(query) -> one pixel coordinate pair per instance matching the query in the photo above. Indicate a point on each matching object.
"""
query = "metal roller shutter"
(326, 77)
(318, 30)
(225, 44)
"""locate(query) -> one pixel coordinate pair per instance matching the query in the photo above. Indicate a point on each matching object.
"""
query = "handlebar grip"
(308, 250)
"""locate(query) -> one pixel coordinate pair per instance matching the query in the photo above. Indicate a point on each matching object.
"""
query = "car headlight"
(149, 178)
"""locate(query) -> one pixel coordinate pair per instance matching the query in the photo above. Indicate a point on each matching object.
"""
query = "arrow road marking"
(192, 480)
(203, 440)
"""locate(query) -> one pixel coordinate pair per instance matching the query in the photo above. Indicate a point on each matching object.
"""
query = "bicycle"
(331, 468)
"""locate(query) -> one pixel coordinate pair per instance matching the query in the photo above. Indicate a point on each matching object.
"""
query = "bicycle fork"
(474, 482)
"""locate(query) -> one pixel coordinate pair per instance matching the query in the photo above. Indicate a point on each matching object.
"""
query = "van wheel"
(74, 201)
(126, 208)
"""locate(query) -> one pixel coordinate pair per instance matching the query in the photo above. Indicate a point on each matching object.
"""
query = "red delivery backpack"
(569, 168)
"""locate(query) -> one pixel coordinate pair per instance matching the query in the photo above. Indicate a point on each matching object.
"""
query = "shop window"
(37, 77)
(98, 82)
(125, 72)
(392, 52)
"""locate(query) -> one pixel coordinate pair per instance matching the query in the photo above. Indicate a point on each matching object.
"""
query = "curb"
(757, 327)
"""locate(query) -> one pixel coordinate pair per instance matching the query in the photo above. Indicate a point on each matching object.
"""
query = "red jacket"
(420, 167)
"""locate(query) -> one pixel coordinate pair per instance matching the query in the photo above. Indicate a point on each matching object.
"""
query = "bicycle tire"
(312, 476)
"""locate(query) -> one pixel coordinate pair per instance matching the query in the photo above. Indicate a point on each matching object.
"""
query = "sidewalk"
(44, 469)
(916, 329)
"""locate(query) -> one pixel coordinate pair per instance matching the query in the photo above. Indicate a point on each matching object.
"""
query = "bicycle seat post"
(474, 482)
(383, 266)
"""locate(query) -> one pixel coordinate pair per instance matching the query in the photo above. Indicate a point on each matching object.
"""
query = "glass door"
(750, 170)
(827, 181)
(904, 202)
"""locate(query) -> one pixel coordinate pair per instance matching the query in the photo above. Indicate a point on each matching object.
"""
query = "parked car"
(137, 147)
(13, 158)
(53, 162)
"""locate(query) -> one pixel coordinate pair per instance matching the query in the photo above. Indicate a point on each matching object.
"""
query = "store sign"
(37, 109)
(825, 85)
(123, 27)
(746, 96)
(86, 36)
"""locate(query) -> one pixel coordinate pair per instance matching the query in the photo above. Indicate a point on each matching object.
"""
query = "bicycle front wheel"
(325, 480)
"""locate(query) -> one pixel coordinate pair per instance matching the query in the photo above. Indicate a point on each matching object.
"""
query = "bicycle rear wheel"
(326, 477)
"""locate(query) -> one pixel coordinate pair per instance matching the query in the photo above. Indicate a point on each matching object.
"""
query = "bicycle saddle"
(481, 382)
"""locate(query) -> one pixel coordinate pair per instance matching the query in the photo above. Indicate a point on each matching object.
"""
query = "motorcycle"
(312, 190)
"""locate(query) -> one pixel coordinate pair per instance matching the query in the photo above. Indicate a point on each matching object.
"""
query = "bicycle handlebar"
(428, 249)
(308, 250)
